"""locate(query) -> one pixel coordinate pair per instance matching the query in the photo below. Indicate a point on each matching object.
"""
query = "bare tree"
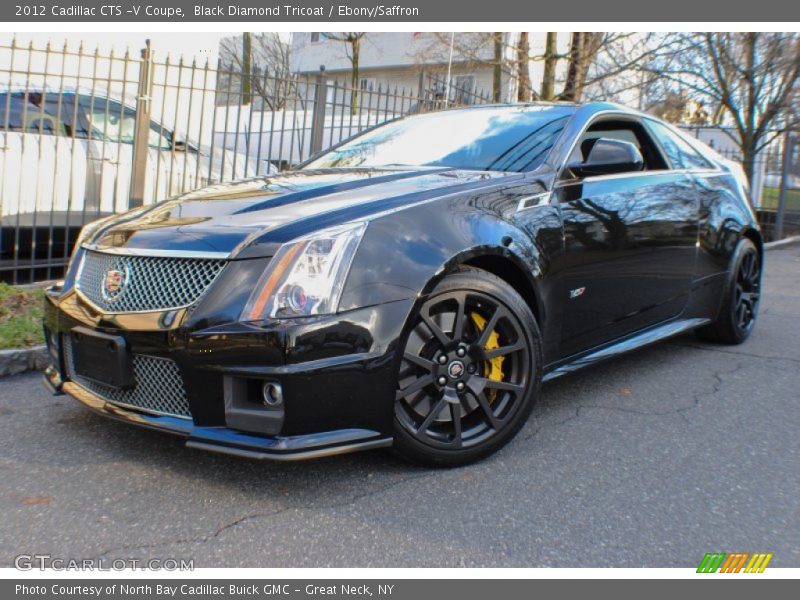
(599, 66)
(352, 39)
(523, 68)
(550, 58)
(583, 52)
(470, 50)
(751, 78)
(608, 65)
(497, 71)
(263, 72)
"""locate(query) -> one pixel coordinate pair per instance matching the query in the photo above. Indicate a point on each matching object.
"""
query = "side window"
(680, 154)
(159, 138)
(108, 121)
(625, 131)
(34, 112)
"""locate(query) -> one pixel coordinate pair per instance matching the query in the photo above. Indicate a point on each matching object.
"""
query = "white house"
(404, 59)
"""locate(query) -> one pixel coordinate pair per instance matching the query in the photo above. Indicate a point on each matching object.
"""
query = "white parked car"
(66, 158)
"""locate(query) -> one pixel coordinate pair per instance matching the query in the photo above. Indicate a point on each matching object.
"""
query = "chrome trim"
(77, 306)
(709, 172)
(523, 202)
(153, 288)
(156, 253)
(630, 174)
(612, 176)
(109, 315)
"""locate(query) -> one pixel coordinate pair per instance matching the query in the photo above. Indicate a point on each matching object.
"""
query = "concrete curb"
(784, 242)
(20, 360)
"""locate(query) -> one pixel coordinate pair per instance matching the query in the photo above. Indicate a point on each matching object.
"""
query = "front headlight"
(306, 276)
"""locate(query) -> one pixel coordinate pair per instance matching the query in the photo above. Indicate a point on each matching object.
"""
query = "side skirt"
(637, 340)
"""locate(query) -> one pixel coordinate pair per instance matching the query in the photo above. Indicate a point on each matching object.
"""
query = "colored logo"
(113, 284)
(456, 369)
(736, 562)
(576, 293)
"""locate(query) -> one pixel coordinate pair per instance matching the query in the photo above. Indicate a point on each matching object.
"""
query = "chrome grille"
(116, 283)
(159, 385)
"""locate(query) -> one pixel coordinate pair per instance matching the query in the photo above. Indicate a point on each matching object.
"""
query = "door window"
(680, 153)
(622, 130)
(108, 121)
(34, 112)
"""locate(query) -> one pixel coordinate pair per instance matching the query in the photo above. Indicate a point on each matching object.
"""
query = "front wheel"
(469, 372)
(740, 300)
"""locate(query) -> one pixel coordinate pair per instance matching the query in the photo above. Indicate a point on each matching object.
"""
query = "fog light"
(273, 394)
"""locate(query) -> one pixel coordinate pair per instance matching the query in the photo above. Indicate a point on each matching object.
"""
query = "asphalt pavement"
(651, 460)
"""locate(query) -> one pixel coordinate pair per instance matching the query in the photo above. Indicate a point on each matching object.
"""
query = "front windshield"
(484, 139)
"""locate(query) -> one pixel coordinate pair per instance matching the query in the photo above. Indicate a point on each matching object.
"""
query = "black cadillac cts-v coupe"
(411, 287)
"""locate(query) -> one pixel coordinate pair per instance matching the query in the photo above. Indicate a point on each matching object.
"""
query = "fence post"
(318, 122)
(141, 136)
(788, 151)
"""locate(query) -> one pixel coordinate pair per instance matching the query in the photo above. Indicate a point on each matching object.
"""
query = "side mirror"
(607, 157)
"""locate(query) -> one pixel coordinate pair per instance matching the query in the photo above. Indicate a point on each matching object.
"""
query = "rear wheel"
(469, 372)
(740, 301)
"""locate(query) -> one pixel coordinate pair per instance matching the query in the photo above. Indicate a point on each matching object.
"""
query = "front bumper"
(336, 372)
(223, 439)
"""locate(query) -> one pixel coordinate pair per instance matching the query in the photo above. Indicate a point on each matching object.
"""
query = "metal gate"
(87, 134)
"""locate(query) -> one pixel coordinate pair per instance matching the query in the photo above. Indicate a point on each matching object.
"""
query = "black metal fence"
(87, 134)
(775, 184)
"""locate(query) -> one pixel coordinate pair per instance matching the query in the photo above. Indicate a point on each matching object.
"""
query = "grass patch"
(769, 198)
(21, 312)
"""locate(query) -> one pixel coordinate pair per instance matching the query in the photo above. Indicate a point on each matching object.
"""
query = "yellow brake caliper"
(494, 366)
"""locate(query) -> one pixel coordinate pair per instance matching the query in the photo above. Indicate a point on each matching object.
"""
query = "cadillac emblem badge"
(114, 284)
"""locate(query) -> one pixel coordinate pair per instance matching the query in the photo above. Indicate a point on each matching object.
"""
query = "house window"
(464, 89)
(368, 84)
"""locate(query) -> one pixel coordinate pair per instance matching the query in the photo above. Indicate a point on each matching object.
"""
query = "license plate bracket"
(102, 358)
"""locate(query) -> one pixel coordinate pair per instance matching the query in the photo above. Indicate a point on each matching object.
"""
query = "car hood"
(229, 218)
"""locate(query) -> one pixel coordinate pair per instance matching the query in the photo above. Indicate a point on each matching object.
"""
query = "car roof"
(587, 108)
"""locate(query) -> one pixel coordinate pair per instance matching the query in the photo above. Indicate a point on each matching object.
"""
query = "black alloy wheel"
(468, 373)
(741, 297)
(747, 291)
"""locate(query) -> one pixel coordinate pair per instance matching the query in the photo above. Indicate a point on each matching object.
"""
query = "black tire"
(740, 298)
(469, 371)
